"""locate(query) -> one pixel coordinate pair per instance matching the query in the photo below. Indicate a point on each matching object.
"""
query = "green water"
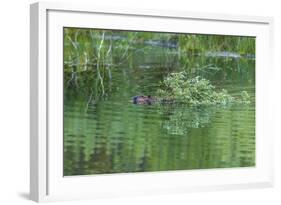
(112, 135)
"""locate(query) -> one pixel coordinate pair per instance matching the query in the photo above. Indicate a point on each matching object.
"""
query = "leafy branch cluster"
(196, 91)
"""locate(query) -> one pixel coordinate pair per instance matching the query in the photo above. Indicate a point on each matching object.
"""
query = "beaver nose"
(135, 99)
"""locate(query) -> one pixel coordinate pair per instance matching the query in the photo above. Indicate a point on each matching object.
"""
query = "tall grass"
(196, 43)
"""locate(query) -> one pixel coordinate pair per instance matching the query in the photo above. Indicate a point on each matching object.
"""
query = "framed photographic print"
(128, 101)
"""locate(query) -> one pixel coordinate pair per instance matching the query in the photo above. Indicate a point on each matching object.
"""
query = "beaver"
(143, 100)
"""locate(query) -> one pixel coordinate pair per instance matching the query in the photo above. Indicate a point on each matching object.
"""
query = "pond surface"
(114, 135)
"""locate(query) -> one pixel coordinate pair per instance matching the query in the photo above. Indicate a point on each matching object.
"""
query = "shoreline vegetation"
(91, 56)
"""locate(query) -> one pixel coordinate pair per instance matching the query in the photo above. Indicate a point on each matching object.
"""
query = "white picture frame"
(46, 180)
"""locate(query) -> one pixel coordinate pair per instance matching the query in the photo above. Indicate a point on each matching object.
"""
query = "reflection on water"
(113, 135)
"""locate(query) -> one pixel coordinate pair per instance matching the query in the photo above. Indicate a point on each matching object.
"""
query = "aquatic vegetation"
(196, 91)
(245, 97)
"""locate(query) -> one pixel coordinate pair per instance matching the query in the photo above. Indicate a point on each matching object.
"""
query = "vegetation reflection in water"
(104, 132)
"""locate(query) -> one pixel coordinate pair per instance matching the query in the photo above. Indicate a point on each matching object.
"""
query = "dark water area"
(113, 135)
